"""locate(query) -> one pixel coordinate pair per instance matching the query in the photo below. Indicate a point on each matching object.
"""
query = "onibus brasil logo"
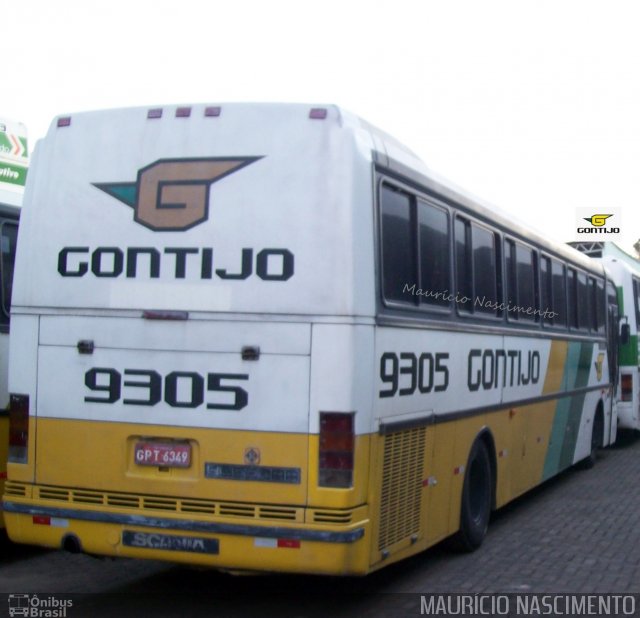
(173, 194)
(38, 606)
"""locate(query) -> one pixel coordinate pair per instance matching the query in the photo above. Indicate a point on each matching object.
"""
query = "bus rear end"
(185, 339)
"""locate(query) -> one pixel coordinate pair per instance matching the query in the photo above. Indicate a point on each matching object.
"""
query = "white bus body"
(209, 371)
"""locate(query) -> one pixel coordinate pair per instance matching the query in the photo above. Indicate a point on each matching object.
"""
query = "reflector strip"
(458, 470)
(261, 542)
(290, 543)
(42, 520)
(275, 543)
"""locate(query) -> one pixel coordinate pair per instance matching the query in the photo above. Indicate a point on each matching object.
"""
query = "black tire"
(597, 433)
(477, 493)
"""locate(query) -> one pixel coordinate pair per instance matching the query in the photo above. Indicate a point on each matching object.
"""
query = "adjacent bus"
(625, 272)
(268, 338)
(14, 161)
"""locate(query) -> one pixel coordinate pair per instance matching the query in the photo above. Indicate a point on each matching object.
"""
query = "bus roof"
(387, 152)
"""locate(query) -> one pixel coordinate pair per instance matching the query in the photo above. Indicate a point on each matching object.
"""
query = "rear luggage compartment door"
(147, 402)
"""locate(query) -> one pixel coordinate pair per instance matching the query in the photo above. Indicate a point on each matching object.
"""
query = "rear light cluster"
(336, 449)
(18, 428)
(626, 387)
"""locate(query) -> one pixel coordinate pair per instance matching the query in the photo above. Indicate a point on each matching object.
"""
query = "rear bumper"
(214, 542)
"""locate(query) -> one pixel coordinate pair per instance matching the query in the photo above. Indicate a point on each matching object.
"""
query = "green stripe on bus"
(566, 420)
(560, 418)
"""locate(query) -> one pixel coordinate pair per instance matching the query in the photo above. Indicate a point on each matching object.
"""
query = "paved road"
(578, 533)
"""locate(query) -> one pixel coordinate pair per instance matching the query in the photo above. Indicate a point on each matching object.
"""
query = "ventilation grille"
(162, 503)
(401, 494)
(15, 489)
(187, 505)
(332, 517)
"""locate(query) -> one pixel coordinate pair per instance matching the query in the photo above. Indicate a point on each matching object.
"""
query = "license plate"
(163, 454)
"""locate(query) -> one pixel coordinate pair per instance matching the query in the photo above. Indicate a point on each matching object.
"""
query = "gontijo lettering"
(176, 262)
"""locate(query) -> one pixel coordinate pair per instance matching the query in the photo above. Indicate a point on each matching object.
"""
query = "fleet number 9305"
(178, 389)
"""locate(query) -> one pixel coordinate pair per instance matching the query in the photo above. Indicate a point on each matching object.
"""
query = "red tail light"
(626, 386)
(336, 449)
(18, 428)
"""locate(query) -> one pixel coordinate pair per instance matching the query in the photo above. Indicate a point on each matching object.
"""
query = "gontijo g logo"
(600, 224)
(173, 194)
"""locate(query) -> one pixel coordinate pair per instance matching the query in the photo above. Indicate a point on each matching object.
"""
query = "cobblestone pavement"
(578, 533)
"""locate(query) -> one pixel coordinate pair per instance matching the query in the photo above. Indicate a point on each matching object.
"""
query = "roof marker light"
(183, 112)
(156, 112)
(65, 121)
(318, 113)
(212, 112)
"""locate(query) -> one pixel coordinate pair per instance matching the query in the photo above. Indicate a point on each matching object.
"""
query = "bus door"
(613, 342)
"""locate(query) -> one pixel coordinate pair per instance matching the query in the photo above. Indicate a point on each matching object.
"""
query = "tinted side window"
(8, 238)
(398, 261)
(559, 293)
(584, 304)
(526, 283)
(601, 301)
(596, 300)
(484, 271)
(572, 298)
(510, 278)
(636, 298)
(464, 284)
(546, 288)
(434, 253)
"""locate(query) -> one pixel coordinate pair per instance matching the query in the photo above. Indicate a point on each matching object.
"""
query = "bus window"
(636, 297)
(484, 271)
(546, 287)
(584, 304)
(434, 253)
(464, 284)
(572, 298)
(559, 289)
(597, 302)
(8, 237)
(398, 263)
(526, 283)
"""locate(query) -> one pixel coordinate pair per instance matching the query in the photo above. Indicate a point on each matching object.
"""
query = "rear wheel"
(476, 500)
(597, 441)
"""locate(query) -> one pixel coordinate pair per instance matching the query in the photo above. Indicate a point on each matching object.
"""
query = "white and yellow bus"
(14, 162)
(268, 338)
(624, 270)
